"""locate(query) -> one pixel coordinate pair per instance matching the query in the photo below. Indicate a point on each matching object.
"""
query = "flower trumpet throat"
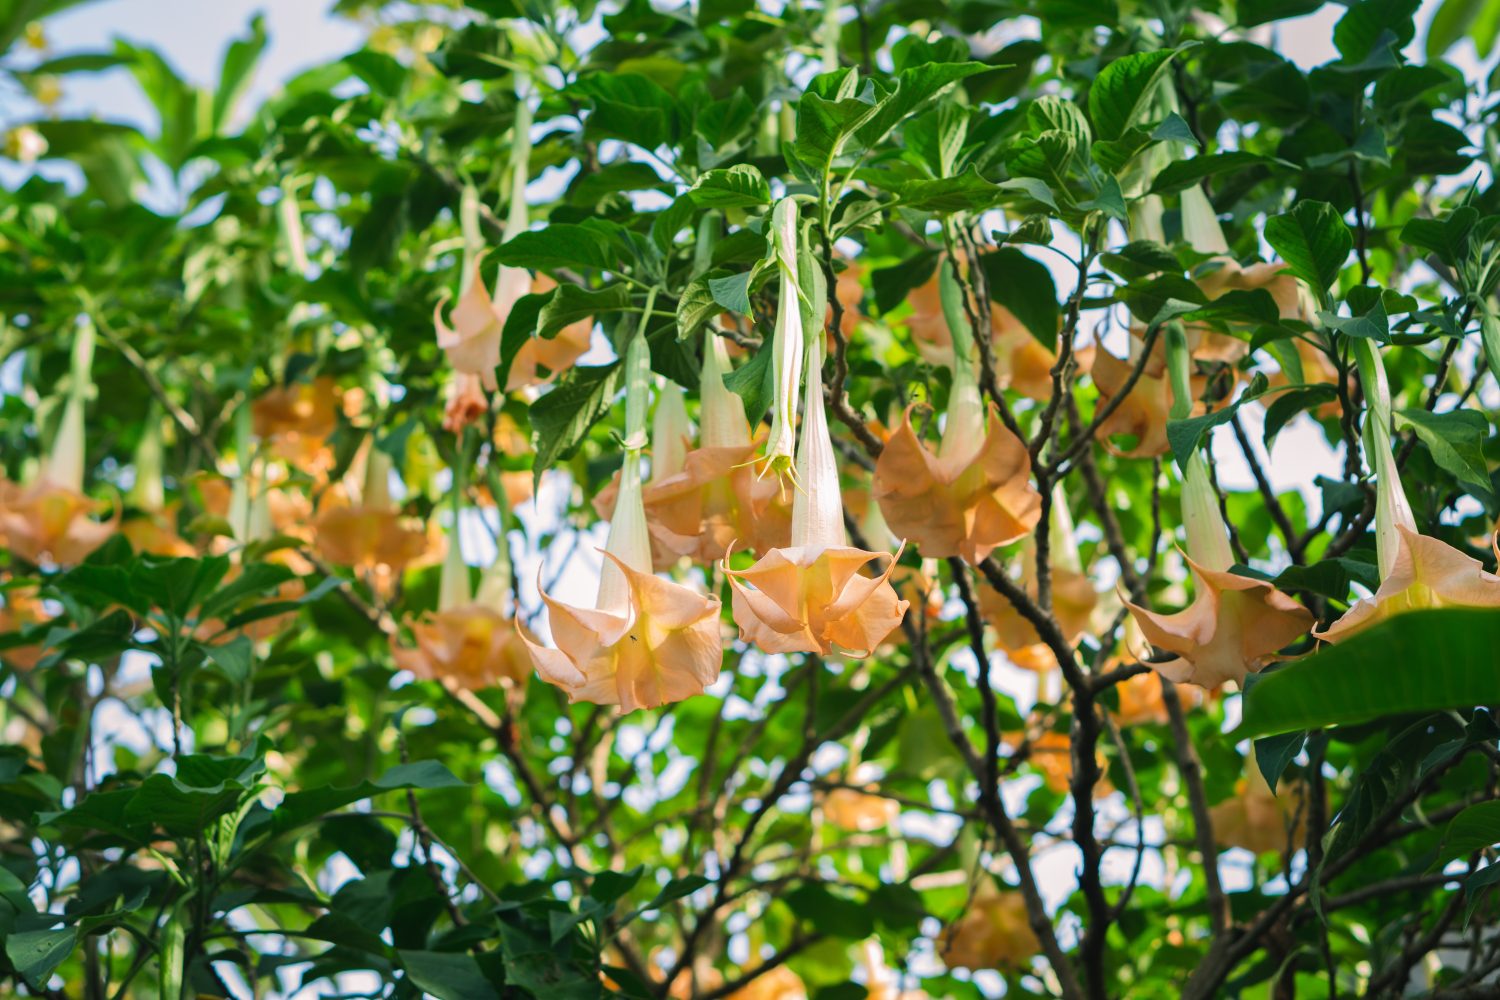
(1235, 625)
(647, 641)
(810, 596)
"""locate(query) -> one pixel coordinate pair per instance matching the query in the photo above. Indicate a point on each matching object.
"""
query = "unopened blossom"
(1021, 362)
(811, 597)
(974, 494)
(993, 933)
(297, 420)
(151, 526)
(1416, 570)
(466, 403)
(647, 641)
(1236, 625)
(469, 642)
(369, 533)
(50, 521)
(786, 344)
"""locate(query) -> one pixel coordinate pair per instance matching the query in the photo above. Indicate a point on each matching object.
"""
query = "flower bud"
(722, 412)
(670, 431)
(453, 584)
(817, 508)
(1200, 223)
(1207, 534)
(786, 345)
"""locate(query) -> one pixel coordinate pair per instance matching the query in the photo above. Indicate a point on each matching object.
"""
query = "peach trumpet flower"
(1235, 625)
(297, 419)
(21, 608)
(1416, 570)
(810, 596)
(469, 642)
(49, 521)
(1144, 411)
(370, 534)
(975, 493)
(1258, 819)
(647, 641)
(1021, 362)
(994, 933)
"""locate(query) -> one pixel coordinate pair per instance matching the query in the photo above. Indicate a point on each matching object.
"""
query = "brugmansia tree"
(759, 501)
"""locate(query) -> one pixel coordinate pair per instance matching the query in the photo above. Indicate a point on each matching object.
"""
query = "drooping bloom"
(786, 344)
(811, 596)
(469, 642)
(647, 641)
(1140, 696)
(1073, 598)
(1417, 571)
(371, 533)
(1021, 361)
(297, 419)
(859, 811)
(150, 526)
(975, 494)
(1258, 819)
(1236, 624)
(994, 933)
(466, 402)
(1143, 413)
(50, 521)
(779, 983)
(21, 608)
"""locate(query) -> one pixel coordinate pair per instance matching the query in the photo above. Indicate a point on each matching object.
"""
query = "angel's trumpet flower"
(700, 502)
(1416, 571)
(20, 608)
(472, 341)
(1258, 819)
(470, 642)
(49, 521)
(993, 933)
(647, 641)
(296, 421)
(1236, 624)
(1021, 362)
(975, 494)
(370, 533)
(1144, 411)
(150, 528)
(1073, 597)
(810, 597)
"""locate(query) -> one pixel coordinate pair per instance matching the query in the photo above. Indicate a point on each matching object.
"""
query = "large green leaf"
(1123, 90)
(1422, 661)
(561, 418)
(1313, 240)
(1456, 441)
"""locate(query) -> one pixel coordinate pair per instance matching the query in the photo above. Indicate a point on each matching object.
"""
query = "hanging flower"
(1417, 571)
(370, 534)
(850, 292)
(297, 419)
(1021, 362)
(1258, 819)
(151, 526)
(1235, 624)
(975, 494)
(810, 597)
(1143, 413)
(779, 983)
(786, 344)
(859, 812)
(466, 402)
(647, 641)
(993, 933)
(22, 608)
(469, 642)
(542, 359)
(1141, 701)
(50, 521)
(1073, 597)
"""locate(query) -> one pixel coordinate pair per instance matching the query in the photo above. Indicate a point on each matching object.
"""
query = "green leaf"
(1313, 240)
(561, 418)
(1477, 887)
(631, 107)
(1184, 435)
(1450, 24)
(1446, 238)
(37, 954)
(893, 284)
(559, 245)
(167, 803)
(1361, 29)
(303, 807)
(570, 304)
(237, 70)
(1256, 12)
(1420, 661)
(915, 89)
(1456, 441)
(752, 382)
(1289, 405)
(1123, 90)
(1274, 754)
(447, 975)
(739, 186)
(732, 292)
(831, 912)
(1474, 829)
(1180, 175)
(1024, 285)
(824, 128)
